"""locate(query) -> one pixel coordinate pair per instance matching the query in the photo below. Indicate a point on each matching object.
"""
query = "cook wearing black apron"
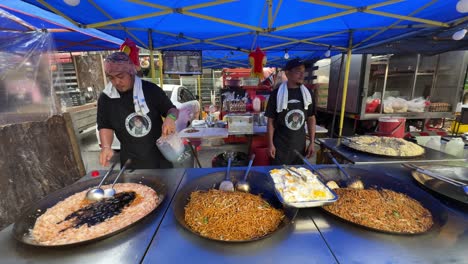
(137, 133)
(289, 133)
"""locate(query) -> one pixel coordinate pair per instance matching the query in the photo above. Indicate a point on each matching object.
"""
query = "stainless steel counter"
(358, 157)
(314, 237)
(128, 246)
(301, 243)
(446, 243)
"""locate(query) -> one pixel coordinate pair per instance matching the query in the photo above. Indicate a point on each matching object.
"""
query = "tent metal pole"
(367, 9)
(345, 83)
(56, 11)
(161, 79)
(199, 95)
(150, 42)
(395, 23)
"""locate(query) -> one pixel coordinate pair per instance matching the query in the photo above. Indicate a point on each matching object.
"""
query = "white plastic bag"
(395, 105)
(417, 105)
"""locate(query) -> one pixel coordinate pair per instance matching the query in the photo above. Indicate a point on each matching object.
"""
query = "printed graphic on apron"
(138, 125)
(294, 119)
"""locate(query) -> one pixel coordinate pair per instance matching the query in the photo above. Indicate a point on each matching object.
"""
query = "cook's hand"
(105, 156)
(310, 150)
(271, 151)
(168, 127)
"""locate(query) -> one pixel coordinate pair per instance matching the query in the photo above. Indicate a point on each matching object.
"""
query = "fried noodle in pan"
(383, 210)
(231, 216)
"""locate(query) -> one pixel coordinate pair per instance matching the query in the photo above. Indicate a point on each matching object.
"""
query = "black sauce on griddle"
(98, 212)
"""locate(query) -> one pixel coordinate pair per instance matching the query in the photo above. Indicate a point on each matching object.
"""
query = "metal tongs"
(443, 178)
(294, 173)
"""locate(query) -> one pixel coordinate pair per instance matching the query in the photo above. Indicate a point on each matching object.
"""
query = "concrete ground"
(209, 149)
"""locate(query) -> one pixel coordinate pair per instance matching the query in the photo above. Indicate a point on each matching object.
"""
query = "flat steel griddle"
(26, 221)
(358, 157)
(259, 184)
(370, 180)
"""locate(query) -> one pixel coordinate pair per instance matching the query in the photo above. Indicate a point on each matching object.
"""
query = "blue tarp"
(308, 28)
(26, 20)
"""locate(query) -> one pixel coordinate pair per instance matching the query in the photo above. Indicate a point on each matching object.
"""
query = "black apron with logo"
(289, 133)
(141, 149)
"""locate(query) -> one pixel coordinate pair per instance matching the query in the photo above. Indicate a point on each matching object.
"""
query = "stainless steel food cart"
(314, 236)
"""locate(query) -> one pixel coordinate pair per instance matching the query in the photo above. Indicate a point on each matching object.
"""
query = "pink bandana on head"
(119, 62)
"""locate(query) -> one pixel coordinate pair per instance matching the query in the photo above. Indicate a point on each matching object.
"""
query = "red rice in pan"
(47, 228)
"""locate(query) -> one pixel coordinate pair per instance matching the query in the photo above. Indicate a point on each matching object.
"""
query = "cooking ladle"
(97, 193)
(350, 181)
(110, 192)
(243, 185)
(227, 184)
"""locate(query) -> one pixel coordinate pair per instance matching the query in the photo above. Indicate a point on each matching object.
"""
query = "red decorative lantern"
(257, 59)
(132, 51)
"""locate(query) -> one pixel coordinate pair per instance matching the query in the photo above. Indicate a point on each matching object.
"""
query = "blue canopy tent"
(274, 25)
(235, 27)
(21, 17)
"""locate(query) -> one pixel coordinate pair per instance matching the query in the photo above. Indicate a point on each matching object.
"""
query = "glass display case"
(421, 86)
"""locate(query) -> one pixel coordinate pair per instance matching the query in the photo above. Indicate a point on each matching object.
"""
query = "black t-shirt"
(289, 124)
(137, 134)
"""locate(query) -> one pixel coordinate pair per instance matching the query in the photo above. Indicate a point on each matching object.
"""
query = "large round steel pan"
(259, 183)
(380, 180)
(449, 190)
(26, 221)
(346, 142)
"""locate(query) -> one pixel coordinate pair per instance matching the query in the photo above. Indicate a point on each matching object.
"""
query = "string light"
(462, 6)
(286, 54)
(72, 2)
(328, 52)
(459, 35)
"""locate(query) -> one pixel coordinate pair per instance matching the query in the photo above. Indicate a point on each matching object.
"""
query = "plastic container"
(257, 104)
(391, 127)
(172, 147)
(433, 144)
(455, 147)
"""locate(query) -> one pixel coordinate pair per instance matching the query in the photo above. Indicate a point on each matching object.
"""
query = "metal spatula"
(227, 184)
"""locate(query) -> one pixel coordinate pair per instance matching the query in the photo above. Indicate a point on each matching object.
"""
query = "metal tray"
(259, 184)
(346, 142)
(26, 221)
(455, 172)
(307, 204)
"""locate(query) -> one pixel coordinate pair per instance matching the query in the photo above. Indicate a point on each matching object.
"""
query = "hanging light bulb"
(328, 52)
(459, 35)
(462, 6)
(72, 2)
(286, 54)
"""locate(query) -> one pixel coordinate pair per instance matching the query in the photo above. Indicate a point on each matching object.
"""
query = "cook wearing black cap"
(290, 108)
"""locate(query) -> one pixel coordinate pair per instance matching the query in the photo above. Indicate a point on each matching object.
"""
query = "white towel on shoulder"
(138, 97)
(282, 97)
